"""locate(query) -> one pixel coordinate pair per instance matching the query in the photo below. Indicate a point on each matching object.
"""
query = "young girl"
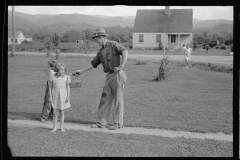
(183, 48)
(47, 110)
(187, 54)
(60, 93)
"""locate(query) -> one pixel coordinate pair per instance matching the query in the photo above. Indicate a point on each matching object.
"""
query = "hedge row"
(205, 66)
(28, 46)
(35, 46)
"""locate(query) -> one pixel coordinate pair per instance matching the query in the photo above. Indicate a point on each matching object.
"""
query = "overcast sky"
(199, 12)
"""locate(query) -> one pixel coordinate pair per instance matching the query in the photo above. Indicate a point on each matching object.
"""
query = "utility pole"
(13, 32)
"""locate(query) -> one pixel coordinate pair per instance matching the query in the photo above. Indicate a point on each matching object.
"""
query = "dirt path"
(127, 130)
(210, 59)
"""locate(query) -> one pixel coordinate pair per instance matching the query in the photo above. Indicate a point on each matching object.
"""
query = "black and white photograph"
(120, 81)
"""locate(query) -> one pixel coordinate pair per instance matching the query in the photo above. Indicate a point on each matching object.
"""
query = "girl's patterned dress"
(59, 91)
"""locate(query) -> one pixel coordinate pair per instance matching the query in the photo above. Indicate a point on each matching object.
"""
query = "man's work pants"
(112, 99)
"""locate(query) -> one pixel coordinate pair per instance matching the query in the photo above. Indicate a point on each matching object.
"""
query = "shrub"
(48, 52)
(222, 46)
(63, 47)
(213, 67)
(29, 46)
(130, 46)
(160, 46)
(24, 42)
(55, 39)
(207, 47)
(78, 47)
(163, 71)
(141, 62)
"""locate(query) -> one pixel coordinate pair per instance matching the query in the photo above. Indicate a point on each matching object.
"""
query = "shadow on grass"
(153, 80)
(79, 121)
(37, 117)
(23, 115)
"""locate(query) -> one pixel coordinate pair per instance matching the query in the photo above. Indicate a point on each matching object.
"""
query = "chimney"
(167, 10)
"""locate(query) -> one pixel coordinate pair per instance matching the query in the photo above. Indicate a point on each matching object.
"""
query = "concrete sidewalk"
(126, 130)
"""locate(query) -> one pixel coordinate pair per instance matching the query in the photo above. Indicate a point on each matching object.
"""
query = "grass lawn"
(28, 141)
(198, 52)
(193, 99)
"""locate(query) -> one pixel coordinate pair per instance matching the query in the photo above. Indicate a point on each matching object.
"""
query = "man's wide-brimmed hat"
(99, 32)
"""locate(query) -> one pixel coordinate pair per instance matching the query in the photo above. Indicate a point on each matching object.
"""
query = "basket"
(75, 82)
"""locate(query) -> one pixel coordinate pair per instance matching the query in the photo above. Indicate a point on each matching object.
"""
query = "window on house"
(15, 40)
(158, 38)
(141, 37)
(173, 38)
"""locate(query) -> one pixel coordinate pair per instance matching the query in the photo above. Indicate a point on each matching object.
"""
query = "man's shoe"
(97, 126)
(115, 127)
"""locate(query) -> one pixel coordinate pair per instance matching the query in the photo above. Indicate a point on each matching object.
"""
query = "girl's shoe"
(43, 120)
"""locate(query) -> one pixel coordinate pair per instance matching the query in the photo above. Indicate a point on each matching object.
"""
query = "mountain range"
(30, 21)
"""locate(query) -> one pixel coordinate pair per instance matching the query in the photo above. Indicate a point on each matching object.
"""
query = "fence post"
(13, 32)
(164, 51)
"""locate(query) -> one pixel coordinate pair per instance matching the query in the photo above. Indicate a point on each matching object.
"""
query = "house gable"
(156, 21)
(17, 33)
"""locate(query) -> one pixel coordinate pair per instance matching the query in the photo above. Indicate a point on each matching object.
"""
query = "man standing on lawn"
(113, 57)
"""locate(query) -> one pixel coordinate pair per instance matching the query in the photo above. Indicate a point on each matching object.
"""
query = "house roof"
(16, 34)
(156, 21)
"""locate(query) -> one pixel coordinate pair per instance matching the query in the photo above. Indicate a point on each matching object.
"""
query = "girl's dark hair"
(56, 67)
(52, 63)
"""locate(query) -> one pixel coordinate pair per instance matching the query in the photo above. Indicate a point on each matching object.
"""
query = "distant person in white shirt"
(183, 48)
(187, 54)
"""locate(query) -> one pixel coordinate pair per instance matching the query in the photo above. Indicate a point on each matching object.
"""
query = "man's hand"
(117, 69)
(77, 73)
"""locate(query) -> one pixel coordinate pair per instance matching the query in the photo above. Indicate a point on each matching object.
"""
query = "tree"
(41, 36)
(198, 39)
(55, 39)
(48, 44)
(71, 36)
(87, 34)
(119, 34)
(205, 33)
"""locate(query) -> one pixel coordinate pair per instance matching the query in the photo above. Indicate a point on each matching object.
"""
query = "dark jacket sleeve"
(96, 61)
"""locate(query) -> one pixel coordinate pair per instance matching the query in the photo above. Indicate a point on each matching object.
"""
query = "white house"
(171, 27)
(19, 37)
